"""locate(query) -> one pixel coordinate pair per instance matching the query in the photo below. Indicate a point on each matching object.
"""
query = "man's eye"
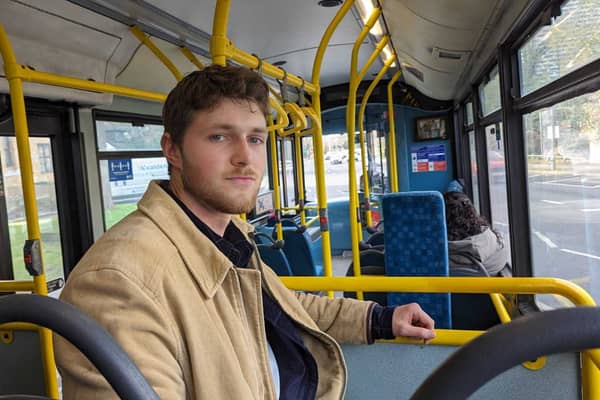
(217, 138)
(256, 140)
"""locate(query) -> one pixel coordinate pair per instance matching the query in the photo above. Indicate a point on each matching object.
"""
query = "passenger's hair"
(205, 89)
(462, 219)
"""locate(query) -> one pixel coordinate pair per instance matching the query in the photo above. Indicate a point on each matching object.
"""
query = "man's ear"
(171, 150)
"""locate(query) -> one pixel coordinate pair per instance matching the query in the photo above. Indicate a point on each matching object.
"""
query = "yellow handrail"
(361, 133)
(355, 78)
(191, 57)
(142, 37)
(282, 118)
(17, 286)
(318, 139)
(393, 164)
(297, 117)
(590, 359)
(275, 179)
(33, 227)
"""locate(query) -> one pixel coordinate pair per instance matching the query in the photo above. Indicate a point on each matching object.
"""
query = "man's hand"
(412, 322)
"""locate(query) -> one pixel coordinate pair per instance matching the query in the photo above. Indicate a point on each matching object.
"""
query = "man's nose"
(241, 153)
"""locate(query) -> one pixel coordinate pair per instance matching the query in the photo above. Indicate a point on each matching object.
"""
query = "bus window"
(474, 181)
(45, 190)
(376, 162)
(489, 93)
(469, 113)
(286, 172)
(124, 181)
(565, 45)
(563, 166)
(336, 165)
(497, 179)
(129, 157)
(310, 180)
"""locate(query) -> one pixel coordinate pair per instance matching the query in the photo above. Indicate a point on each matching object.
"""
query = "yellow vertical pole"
(318, 139)
(393, 164)
(33, 228)
(219, 43)
(300, 176)
(590, 378)
(361, 132)
(275, 179)
(355, 78)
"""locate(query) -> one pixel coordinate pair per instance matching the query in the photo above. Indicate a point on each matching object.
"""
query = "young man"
(179, 284)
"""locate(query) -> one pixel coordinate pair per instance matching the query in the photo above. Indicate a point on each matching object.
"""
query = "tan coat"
(189, 319)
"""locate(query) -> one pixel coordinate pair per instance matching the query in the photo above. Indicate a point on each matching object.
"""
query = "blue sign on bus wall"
(119, 170)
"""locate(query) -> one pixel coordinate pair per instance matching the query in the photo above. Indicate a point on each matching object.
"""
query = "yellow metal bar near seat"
(355, 78)
(19, 326)
(191, 57)
(311, 221)
(33, 228)
(361, 133)
(393, 164)
(318, 139)
(590, 358)
(275, 179)
(17, 286)
(142, 37)
(500, 309)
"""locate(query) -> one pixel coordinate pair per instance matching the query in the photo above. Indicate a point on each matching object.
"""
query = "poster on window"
(428, 158)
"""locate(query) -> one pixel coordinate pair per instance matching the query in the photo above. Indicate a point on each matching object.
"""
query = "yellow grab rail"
(297, 117)
(361, 133)
(142, 37)
(275, 178)
(191, 57)
(17, 99)
(393, 164)
(590, 359)
(282, 118)
(355, 78)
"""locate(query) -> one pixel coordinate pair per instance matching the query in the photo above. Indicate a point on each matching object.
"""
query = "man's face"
(222, 157)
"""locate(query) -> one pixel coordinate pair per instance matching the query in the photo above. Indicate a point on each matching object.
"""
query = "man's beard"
(219, 200)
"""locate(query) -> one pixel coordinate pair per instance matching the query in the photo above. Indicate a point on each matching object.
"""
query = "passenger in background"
(180, 286)
(472, 243)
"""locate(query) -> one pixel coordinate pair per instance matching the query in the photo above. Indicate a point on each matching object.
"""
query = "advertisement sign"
(428, 158)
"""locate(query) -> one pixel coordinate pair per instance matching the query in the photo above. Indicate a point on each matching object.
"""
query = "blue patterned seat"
(416, 245)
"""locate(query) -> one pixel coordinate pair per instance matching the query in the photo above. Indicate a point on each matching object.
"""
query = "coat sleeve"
(135, 320)
(346, 320)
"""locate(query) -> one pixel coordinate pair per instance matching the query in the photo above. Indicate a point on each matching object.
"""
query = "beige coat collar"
(206, 263)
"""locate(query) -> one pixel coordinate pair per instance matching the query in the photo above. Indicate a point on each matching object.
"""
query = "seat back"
(271, 252)
(303, 249)
(416, 245)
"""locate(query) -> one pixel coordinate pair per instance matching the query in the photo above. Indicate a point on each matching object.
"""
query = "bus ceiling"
(440, 47)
